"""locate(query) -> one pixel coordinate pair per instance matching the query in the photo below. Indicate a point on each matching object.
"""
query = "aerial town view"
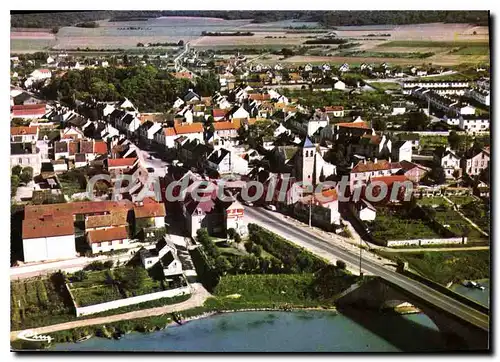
(250, 181)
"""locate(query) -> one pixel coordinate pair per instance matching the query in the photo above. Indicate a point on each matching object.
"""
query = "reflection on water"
(311, 331)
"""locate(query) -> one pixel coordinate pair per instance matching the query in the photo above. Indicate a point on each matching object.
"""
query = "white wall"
(96, 308)
(110, 245)
(57, 247)
(425, 241)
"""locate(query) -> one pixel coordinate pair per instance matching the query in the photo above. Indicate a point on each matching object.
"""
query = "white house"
(339, 85)
(41, 74)
(48, 238)
(450, 163)
(280, 130)
(110, 239)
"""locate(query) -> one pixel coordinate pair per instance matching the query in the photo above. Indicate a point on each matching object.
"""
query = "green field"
(473, 49)
(430, 44)
(386, 86)
(444, 267)
(107, 285)
(429, 201)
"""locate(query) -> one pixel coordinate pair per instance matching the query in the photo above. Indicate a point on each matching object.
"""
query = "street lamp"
(367, 231)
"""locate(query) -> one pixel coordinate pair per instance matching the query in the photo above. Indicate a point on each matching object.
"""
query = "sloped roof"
(370, 166)
(114, 233)
(18, 131)
(48, 226)
(149, 208)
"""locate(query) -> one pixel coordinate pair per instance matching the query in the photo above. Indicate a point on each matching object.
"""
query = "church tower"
(306, 164)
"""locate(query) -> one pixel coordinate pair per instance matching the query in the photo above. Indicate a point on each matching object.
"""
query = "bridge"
(431, 301)
(377, 293)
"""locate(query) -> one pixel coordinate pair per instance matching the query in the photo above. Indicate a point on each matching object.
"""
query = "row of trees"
(326, 18)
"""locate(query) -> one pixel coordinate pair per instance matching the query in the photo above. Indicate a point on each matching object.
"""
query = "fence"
(420, 242)
(97, 308)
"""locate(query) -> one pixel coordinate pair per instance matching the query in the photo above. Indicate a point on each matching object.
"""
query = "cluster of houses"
(205, 137)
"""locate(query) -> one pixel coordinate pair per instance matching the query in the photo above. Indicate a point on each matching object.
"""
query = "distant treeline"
(326, 41)
(179, 43)
(88, 24)
(374, 35)
(226, 33)
(325, 18)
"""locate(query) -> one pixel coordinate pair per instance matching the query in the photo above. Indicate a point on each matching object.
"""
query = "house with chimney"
(24, 134)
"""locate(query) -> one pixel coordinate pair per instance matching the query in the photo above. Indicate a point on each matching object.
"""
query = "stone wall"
(426, 241)
(97, 308)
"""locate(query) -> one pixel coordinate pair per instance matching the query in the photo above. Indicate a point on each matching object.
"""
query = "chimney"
(364, 161)
(375, 160)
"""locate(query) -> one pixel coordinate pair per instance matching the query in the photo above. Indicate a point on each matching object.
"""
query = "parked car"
(270, 207)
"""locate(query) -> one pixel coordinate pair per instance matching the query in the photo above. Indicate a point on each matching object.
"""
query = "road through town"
(317, 245)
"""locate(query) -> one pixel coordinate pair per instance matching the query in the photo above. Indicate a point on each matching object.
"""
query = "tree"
(16, 170)
(80, 276)
(237, 238)
(329, 281)
(26, 175)
(257, 250)
(223, 265)
(14, 184)
(417, 121)
(454, 140)
(379, 124)
(456, 174)
(249, 246)
(231, 232)
(341, 264)
(437, 175)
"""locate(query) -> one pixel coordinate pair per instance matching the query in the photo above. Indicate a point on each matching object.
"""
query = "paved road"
(302, 236)
(198, 297)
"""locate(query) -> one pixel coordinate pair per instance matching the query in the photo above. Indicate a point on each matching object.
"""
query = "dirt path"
(199, 295)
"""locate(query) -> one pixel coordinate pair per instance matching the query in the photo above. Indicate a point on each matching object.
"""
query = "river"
(480, 296)
(306, 331)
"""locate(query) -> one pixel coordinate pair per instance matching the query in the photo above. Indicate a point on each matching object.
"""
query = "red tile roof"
(18, 131)
(259, 96)
(362, 124)
(116, 233)
(370, 166)
(149, 208)
(334, 108)
(48, 226)
(169, 131)
(100, 147)
(219, 112)
(122, 162)
(219, 126)
(29, 109)
(76, 208)
(181, 75)
(389, 180)
(189, 128)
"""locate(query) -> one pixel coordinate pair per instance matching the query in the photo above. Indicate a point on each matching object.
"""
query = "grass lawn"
(443, 267)
(386, 85)
(461, 200)
(430, 201)
(71, 183)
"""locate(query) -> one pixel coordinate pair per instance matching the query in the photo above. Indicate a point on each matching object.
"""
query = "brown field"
(445, 60)
(257, 39)
(428, 32)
